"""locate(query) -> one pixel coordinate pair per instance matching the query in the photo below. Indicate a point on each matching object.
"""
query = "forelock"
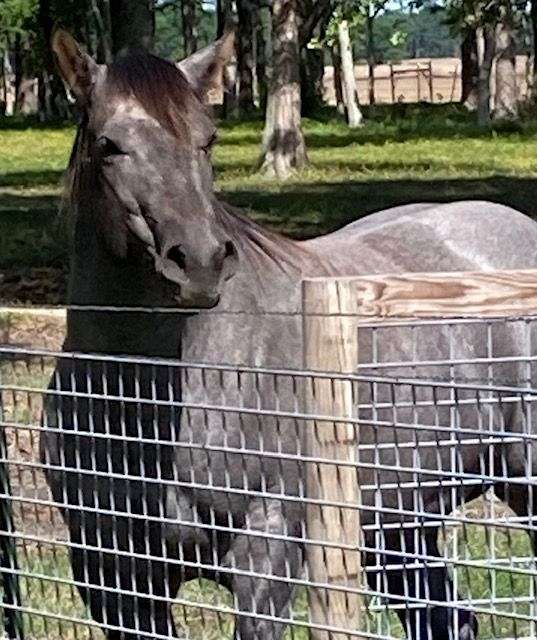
(160, 88)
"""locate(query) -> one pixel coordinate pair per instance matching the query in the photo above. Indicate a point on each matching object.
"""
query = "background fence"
(435, 80)
(404, 454)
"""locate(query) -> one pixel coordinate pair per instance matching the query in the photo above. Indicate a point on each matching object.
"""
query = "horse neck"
(99, 280)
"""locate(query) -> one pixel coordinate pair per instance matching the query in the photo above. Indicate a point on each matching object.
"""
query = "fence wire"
(129, 511)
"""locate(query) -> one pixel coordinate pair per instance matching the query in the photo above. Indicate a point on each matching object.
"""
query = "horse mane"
(257, 242)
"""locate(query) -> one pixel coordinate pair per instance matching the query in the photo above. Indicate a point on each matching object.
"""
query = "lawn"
(403, 154)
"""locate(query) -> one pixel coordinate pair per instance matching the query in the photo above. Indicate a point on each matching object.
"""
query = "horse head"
(141, 171)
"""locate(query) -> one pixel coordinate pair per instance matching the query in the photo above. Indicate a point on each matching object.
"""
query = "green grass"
(46, 589)
(405, 154)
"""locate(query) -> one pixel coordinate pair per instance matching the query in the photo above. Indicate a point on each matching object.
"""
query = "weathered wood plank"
(435, 295)
(331, 344)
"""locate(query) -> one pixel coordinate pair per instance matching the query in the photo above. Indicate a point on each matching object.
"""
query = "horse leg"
(427, 583)
(128, 596)
(263, 555)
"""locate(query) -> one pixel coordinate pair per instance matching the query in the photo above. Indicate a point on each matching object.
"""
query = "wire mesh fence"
(127, 511)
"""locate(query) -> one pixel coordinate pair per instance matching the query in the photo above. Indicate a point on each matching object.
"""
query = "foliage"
(471, 14)
(399, 33)
(402, 34)
(16, 18)
(168, 39)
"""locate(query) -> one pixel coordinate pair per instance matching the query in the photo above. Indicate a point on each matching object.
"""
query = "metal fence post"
(11, 599)
(330, 344)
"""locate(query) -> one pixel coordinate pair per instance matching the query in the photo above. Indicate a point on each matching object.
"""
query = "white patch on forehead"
(133, 110)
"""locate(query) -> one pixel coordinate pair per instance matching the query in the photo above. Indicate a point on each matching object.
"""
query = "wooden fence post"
(392, 84)
(330, 344)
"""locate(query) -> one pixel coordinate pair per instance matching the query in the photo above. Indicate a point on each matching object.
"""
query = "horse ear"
(77, 68)
(204, 69)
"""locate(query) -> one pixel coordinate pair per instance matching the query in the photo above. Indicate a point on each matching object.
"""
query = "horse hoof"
(466, 632)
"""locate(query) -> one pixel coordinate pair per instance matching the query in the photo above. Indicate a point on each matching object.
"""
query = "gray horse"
(149, 232)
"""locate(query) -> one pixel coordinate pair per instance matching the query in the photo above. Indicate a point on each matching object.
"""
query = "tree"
(488, 40)
(354, 115)
(284, 147)
(506, 97)
(169, 23)
(364, 13)
(226, 19)
(482, 16)
(102, 20)
(314, 17)
(469, 68)
(189, 14)
(338, 86)
(133, 24)
(17, 22)
(311, 79)
(246, 55)
(533, 22)
(263, 24)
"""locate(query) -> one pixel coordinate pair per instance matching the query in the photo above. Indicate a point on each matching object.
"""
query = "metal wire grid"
(117, 421)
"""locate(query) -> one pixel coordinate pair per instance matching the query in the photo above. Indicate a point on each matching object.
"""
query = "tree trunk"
(189, 17)
(53, 104)
(3, 85)
(313, 20)
(533, 18)
(133, 24)
(102, 19)
(226, 20)
(245, 56)
(371, 58)
(488, 39)
(338, 86)
(311, 80)
(354, 115)
(469, 70)
(284, 147)
(18, 73)
(506, 97)
(261, 61)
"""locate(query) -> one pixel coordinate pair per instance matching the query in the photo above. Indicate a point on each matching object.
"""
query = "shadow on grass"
(307, 210)
(41, 178)
(30, 232)
(30, 238)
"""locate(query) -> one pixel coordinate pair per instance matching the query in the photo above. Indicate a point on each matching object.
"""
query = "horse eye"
(108, 148)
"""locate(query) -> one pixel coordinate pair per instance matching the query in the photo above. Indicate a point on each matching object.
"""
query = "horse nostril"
(229, 250)
(176, 254)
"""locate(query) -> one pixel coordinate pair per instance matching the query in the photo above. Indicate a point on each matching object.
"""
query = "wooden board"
(434, 295)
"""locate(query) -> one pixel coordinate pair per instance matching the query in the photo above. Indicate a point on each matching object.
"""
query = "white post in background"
(354, 115)
(9, 89)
